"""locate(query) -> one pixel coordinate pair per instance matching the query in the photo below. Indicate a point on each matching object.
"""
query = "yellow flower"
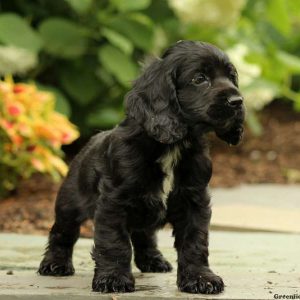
(37, 164)
(34, 132)
(59, 164)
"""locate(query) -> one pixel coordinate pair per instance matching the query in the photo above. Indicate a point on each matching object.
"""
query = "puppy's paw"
(156, 264)
(204, 283)
(113, 283)
(56, 267)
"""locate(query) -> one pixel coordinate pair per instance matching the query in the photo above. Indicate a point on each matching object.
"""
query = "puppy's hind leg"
(147, 257)
(57, 259)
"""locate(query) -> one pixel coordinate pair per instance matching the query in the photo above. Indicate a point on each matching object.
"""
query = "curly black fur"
(151, 169)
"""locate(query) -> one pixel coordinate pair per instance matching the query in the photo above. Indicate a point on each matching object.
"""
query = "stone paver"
(253, 266)
(266, 207)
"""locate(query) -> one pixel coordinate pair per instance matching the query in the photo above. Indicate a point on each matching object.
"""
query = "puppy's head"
(193, 83)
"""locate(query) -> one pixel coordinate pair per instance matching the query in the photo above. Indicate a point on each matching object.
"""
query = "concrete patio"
(256, 264)
(263, 207)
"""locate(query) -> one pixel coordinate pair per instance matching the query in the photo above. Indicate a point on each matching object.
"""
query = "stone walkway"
(253, 266)
(264, 207)
(259, 263)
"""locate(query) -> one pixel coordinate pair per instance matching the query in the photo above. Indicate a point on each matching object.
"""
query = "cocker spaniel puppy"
(151, 169)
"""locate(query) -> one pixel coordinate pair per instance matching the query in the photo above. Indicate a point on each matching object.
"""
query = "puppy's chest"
(167, 163)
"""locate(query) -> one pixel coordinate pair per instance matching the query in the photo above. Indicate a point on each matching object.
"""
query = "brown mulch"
(271, 158)
(31, 208)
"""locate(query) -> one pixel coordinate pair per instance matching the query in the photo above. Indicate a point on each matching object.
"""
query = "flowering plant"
(31, 134)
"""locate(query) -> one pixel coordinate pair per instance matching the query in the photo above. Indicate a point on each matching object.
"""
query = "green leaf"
(141, 19)
(15, 31)
(259, 93)
(104, 76)
(104, 118)
(118, 64)
(277, 13)
(261, 83)
(297, 104)
(293, 9)
(254, 123)
(15, 60)
(290, 61)
(80, 6)
(129, 5)
(63, 38)
(61, 103)
(140, 33)
(80, 83)
(294, 96)
(118, 40)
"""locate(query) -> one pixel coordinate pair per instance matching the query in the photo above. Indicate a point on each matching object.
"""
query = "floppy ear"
(153, 103)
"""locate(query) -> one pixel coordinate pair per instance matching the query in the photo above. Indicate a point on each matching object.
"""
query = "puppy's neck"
(201, 128)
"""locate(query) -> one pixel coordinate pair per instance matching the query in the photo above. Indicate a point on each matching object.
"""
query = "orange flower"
(6, 124)
(45, 131)
(19, 88)
(24, 129)
(33, 131)
(17, 140)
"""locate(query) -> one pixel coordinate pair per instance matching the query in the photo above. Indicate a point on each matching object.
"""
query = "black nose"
(235, 100)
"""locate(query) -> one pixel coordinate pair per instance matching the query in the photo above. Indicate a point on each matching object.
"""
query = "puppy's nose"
(235, 100)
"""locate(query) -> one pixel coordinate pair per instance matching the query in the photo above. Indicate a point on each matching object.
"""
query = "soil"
(272, 157)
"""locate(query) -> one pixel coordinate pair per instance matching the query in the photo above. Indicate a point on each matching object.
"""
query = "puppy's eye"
(200, 78)
(233, 78)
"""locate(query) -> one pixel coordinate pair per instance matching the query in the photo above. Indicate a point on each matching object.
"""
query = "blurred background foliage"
(87, 52)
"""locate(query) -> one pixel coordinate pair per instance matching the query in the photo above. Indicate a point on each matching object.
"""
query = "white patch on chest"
(168, 162)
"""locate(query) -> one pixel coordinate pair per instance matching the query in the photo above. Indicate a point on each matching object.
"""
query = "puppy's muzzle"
(235, 101)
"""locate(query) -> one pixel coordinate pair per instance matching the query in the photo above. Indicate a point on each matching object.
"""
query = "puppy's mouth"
(220, 113)
(223, 115)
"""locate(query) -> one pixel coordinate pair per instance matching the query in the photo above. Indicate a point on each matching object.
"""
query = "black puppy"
(151, 169)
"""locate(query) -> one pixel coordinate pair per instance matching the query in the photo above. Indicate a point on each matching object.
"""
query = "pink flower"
(66, 137)
(6, 124)
(14, 110)
(37, 164)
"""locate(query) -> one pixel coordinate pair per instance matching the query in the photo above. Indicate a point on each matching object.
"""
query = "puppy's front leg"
(191, 221)
(112, 251)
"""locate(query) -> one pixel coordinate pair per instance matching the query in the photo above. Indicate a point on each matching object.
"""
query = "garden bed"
(271, 158)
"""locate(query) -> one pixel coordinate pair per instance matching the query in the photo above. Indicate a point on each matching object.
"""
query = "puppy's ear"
(153, 103)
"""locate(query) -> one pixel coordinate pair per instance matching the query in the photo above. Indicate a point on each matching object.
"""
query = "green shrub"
(86, 51)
